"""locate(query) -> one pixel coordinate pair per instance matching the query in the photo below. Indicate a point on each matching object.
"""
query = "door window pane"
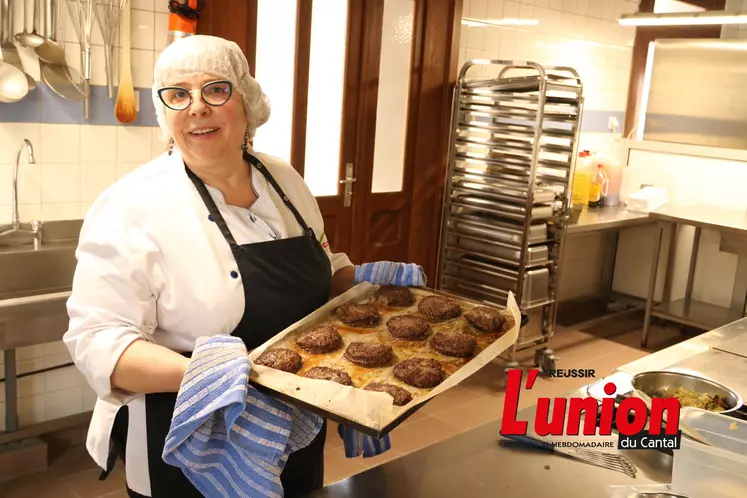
(394, 90)
(329, 24)
(275, 71)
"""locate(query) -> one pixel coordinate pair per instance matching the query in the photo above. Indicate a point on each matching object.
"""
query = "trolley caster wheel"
(538, 355)
(548, 361)
(550, 364)
(510, 365)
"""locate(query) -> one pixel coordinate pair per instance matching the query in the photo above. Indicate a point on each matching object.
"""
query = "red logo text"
(629, 417)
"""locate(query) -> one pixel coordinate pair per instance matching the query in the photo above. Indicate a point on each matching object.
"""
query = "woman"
(209, 238)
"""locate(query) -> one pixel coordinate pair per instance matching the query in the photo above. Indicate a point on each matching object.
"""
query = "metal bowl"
(653, 383)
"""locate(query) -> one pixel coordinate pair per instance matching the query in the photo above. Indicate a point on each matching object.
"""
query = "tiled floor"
(476, 401)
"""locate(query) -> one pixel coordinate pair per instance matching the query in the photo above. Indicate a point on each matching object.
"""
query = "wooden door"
(351, 102)
(391, 117)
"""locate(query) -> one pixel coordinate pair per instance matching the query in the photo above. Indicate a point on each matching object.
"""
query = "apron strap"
(262, 169)
(215, 212)
(211, 207)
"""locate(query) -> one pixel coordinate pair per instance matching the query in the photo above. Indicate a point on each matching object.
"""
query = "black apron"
(284, 280)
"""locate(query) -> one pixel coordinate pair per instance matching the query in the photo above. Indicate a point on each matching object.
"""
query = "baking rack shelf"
(512, 153)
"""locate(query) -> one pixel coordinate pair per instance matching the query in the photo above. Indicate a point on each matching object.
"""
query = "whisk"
(81, 13)
(107, 15)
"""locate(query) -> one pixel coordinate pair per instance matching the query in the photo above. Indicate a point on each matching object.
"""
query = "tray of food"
(372, 356)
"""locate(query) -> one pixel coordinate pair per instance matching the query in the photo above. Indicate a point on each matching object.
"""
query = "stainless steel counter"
(473, 464)
(603, 305)
(732, 227)
(705, 216)
(606, 218)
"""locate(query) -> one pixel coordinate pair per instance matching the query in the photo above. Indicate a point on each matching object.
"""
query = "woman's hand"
(391, 273)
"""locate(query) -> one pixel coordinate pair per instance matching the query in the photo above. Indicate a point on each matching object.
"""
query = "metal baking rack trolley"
(514, 140)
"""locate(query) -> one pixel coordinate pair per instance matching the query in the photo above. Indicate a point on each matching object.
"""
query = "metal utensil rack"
(513, 145)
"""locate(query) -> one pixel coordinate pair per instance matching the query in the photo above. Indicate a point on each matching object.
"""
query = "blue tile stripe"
(42, 105)
(594, 121)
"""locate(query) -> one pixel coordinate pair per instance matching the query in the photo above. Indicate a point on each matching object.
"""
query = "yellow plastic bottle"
(582, 180)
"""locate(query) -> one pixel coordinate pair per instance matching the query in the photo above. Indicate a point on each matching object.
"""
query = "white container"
(718, 471)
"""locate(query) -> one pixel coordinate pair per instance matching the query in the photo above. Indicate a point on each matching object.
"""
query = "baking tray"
(518, 112)
(518, 107)
(474, 184)
(482, 94)
(500, 252)
(520, 164)
(371, 413)
(519, 131)
(484, 226)
(524, 83)
(484, 148)
(535, 288)
(500, 209)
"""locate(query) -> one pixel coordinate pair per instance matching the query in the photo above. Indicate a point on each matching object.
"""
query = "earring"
(171, 146)
(245, 145)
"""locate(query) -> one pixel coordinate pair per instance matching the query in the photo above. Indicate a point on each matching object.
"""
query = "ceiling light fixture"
(471, 21)
(684, 19)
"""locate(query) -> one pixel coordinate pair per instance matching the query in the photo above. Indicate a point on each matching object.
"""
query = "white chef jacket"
(153, 265)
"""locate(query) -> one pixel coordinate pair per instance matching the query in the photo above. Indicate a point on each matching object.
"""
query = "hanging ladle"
(50, 52)
(26, 39)
(13, 82)
(59, 77)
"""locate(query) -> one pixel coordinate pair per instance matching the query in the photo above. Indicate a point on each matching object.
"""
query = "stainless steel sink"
(35, 285)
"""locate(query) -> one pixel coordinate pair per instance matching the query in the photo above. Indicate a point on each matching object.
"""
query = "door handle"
(348, 183)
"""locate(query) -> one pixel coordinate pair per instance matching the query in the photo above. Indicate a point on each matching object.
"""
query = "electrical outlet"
(613, 124)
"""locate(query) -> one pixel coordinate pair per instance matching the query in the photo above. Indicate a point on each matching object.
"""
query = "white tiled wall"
(582, 34)
(74, 163)
(690, 181)
(739, 30)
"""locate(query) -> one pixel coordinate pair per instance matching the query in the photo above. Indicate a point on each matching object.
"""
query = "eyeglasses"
(215, 93)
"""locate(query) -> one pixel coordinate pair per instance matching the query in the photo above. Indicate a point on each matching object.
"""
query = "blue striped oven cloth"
(231, 440)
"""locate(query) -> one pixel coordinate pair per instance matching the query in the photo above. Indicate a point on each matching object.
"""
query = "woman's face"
(206, 133)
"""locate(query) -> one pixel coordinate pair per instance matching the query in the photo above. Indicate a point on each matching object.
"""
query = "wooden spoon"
(125, 109)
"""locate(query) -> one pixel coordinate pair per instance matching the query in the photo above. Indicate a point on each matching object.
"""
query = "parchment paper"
(370, 409)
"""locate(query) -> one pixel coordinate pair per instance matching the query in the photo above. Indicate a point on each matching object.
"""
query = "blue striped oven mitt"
(379, 273)
(229, 439)
(390, 273)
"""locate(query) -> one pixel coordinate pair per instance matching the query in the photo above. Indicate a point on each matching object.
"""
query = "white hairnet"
(200, 54)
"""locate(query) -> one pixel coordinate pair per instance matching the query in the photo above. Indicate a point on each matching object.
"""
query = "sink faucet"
(15, 226)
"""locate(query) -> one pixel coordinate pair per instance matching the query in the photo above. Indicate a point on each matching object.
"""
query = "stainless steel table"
(732, 225)
(603, 305)
(473, 464)
(606, 218)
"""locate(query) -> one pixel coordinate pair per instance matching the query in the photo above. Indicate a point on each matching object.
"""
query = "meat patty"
(395, 296)
(454, 344)
(419, 372)
(486, 319)
(439, 308)
(283, 359)
(358, 315)
(318, 340)
(333, 374)
(369, 354)
(401, 396)
(408, 327)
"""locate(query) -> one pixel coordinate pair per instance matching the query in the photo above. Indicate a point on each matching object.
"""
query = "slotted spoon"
(610, 461)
